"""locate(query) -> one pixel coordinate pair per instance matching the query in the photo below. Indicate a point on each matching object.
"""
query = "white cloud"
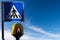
(0, 35)
(40, 30)
(46, 36)
(8, 36)
(34, 28)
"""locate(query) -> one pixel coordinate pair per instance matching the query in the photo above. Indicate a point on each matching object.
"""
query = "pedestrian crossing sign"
(13, 11)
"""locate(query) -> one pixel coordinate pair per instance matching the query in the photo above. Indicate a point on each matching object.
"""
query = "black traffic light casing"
(17, 30)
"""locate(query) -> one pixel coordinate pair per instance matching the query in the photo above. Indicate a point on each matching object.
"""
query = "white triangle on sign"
(14, 14)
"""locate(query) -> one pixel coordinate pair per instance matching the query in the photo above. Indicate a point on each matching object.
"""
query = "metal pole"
(2, 21)
(17, 38)
(2, 30)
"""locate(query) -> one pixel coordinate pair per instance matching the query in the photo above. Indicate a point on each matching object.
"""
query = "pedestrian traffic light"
(17, 30)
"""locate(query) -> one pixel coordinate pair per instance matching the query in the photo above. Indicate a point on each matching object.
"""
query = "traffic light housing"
(17, 30)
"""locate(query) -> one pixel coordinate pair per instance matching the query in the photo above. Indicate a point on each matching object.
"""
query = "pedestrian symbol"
(15, 12)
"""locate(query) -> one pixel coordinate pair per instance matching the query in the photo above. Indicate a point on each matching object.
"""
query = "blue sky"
(45, 13)
(42, 20)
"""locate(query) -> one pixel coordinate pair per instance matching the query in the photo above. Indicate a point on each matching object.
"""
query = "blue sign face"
(13, 11)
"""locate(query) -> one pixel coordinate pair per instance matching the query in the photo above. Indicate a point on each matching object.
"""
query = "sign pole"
(2, 30)
(17, 38)
(2, 22)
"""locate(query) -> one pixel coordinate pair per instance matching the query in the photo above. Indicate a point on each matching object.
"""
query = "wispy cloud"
(8, 36)
(40, 30)
(46, 36)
